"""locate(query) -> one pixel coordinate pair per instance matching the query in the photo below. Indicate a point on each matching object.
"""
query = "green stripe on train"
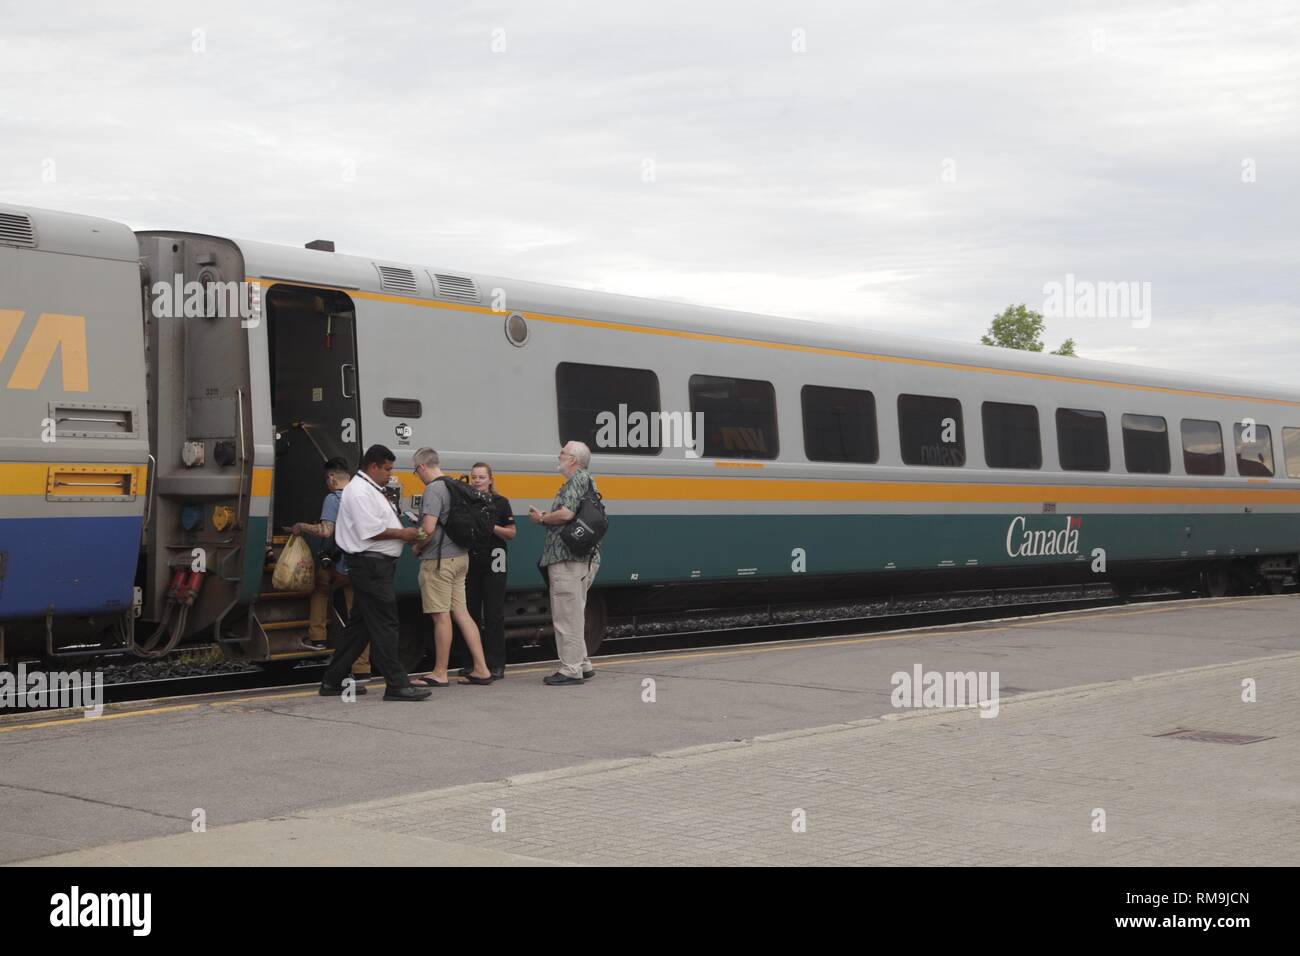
(647, 549)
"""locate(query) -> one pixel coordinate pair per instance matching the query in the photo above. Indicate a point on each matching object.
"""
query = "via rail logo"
(1062, 538)
(51, 333)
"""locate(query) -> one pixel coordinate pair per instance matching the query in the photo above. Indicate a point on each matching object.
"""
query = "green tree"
(1021, 328)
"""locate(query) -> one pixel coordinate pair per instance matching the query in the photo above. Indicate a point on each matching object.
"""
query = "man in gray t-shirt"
(443, 567)
(437, 502)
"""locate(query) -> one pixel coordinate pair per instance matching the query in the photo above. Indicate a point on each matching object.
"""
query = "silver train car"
(744, 458)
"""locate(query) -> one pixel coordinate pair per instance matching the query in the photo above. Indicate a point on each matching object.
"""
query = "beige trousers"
(327, 582)
(570, 581)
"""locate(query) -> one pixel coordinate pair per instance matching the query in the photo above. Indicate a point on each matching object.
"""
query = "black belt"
(371, 554)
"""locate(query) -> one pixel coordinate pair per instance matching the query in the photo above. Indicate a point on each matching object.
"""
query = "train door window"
(1202, 447)
(611, 410)
(1146, 444)
(1081, 440)
(1011, 437)
(1254, 450)
(930, 431)
(1291, 451)
(839, 424)
(739, 416)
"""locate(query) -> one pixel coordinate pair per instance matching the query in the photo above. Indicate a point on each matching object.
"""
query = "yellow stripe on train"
(34, 479)
(642, 488)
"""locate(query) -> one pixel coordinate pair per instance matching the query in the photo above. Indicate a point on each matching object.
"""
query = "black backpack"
(470, 517)
(589, 524)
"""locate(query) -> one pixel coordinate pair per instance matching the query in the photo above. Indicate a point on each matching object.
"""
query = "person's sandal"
(481, 681)
(429, 682)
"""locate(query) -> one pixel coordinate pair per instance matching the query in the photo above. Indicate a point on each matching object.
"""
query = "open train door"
(311, 352)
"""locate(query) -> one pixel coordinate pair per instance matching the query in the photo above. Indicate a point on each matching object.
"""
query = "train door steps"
(282, 619)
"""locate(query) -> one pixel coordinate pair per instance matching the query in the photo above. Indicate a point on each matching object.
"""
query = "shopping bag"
(294, 568)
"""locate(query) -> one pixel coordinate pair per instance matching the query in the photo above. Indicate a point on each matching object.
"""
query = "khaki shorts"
(443, 588)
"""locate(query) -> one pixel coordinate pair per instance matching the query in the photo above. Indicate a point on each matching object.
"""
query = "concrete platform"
(715, 769)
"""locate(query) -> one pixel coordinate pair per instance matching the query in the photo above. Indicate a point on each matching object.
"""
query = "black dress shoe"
(329, 690)
(557, 679)
(499, 674)
(407, 693)
(588, 674)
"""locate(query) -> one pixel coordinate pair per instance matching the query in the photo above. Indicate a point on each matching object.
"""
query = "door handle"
(343, 380)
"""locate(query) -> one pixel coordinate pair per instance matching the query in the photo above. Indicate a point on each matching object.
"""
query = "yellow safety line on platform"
(813, 643)
(95, 720)
(906, 635)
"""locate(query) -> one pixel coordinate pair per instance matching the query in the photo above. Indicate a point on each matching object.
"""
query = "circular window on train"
(517, 330)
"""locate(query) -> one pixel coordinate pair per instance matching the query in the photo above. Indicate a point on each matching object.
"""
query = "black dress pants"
(485, 593)
(373, 621)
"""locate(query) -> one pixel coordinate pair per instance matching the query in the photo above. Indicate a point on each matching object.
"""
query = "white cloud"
(807, 184)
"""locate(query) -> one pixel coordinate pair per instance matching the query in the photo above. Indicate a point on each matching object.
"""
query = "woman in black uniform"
(485, 584)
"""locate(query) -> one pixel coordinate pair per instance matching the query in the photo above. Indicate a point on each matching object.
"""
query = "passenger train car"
(196, 384)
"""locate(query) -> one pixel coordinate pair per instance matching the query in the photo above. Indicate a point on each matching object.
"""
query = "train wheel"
(596, 621)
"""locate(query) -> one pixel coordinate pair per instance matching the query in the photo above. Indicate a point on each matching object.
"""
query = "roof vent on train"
(456, 288)
(17, 229)
(397, 279)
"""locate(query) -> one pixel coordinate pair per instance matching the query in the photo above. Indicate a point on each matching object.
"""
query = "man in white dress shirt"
(370, 532)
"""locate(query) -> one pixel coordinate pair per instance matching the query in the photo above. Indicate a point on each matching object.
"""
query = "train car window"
(1202, 447)
(1146, 444)
(839, 424)
(1254, 450)
(1081, 440)
(1291, 451)
(930, 431)
(739, 416)
(613, 410)
(1011, 437)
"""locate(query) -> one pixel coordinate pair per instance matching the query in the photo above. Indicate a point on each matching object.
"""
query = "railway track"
(716, 628)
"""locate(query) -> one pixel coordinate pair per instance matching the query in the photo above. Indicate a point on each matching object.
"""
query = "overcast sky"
(911, 167)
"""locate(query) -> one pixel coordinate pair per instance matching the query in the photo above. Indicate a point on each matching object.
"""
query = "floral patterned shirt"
(555, 550)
